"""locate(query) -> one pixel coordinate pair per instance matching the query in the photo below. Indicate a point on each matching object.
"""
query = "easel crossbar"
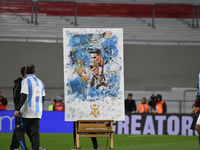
(94, 135)
(92, 131)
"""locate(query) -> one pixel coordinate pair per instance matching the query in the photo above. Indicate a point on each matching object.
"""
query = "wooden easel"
(92, 127)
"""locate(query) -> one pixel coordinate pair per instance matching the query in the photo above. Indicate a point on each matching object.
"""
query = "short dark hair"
(23, 71)
(30, 69)
(144, 98)
(130, 94)
(96, 50)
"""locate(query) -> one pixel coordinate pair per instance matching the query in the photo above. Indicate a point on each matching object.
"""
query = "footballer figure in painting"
(97, 68)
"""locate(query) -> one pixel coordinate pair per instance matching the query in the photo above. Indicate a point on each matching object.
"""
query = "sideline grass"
(121, 142)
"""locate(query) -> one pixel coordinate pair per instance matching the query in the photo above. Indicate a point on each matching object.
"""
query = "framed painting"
(93, 74)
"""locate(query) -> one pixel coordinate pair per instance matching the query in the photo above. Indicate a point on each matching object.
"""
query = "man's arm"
(16, 93)
(150, 102)
(21, 103)
(148, 111)
(43, 98)
(4, 101)
(92, 80)
(197, 101)
(135, 107)
(125, 105)
(94, 74)
(164, 108)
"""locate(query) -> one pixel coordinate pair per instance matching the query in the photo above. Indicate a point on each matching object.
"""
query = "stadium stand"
(134, 16)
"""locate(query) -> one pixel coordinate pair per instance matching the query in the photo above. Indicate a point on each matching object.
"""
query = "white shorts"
(198, 120)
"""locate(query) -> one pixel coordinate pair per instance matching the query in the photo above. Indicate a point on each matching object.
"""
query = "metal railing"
(75, 17)
(197, 21)
(179, 104)
(184, 97)
(11, 106)
(32, 5)
(154, 6)
(36, 9)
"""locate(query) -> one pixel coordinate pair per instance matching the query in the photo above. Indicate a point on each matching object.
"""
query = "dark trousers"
(33, 124)
(94, 139)
(194, 122)
(15, 143)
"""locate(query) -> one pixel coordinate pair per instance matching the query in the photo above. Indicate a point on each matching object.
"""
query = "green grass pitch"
(121, 142)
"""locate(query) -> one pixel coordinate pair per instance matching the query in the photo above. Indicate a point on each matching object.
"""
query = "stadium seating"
(133, 16)
(135, 29)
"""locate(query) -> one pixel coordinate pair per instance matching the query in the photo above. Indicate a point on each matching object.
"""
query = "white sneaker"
(40, 148)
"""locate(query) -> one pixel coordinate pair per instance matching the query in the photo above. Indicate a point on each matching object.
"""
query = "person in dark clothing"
(3, 102)
(196, 105)
(130, 105)
(17, 87)
(194, 122)
(16, 97)
(94, 139)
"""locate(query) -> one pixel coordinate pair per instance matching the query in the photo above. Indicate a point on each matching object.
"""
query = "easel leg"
(77, 138)
(111, 140)
(77, 141)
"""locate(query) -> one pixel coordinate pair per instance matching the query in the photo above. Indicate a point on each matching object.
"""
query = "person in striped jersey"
(30, 108)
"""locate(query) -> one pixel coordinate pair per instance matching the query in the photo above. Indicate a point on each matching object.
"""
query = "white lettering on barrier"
(186, 123)
(135, 125)
(173, 122)
(124, 124)
(10, 119)
(174, 125)
(160, 120)
(149, 126)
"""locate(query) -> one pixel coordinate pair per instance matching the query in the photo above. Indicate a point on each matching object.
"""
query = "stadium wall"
(170, 124)
(145, 65)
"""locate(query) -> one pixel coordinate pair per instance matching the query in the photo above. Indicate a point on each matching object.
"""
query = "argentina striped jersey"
(34, 88)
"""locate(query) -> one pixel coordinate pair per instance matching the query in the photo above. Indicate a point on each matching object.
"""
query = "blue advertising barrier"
(154, 124)
(51, 122)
